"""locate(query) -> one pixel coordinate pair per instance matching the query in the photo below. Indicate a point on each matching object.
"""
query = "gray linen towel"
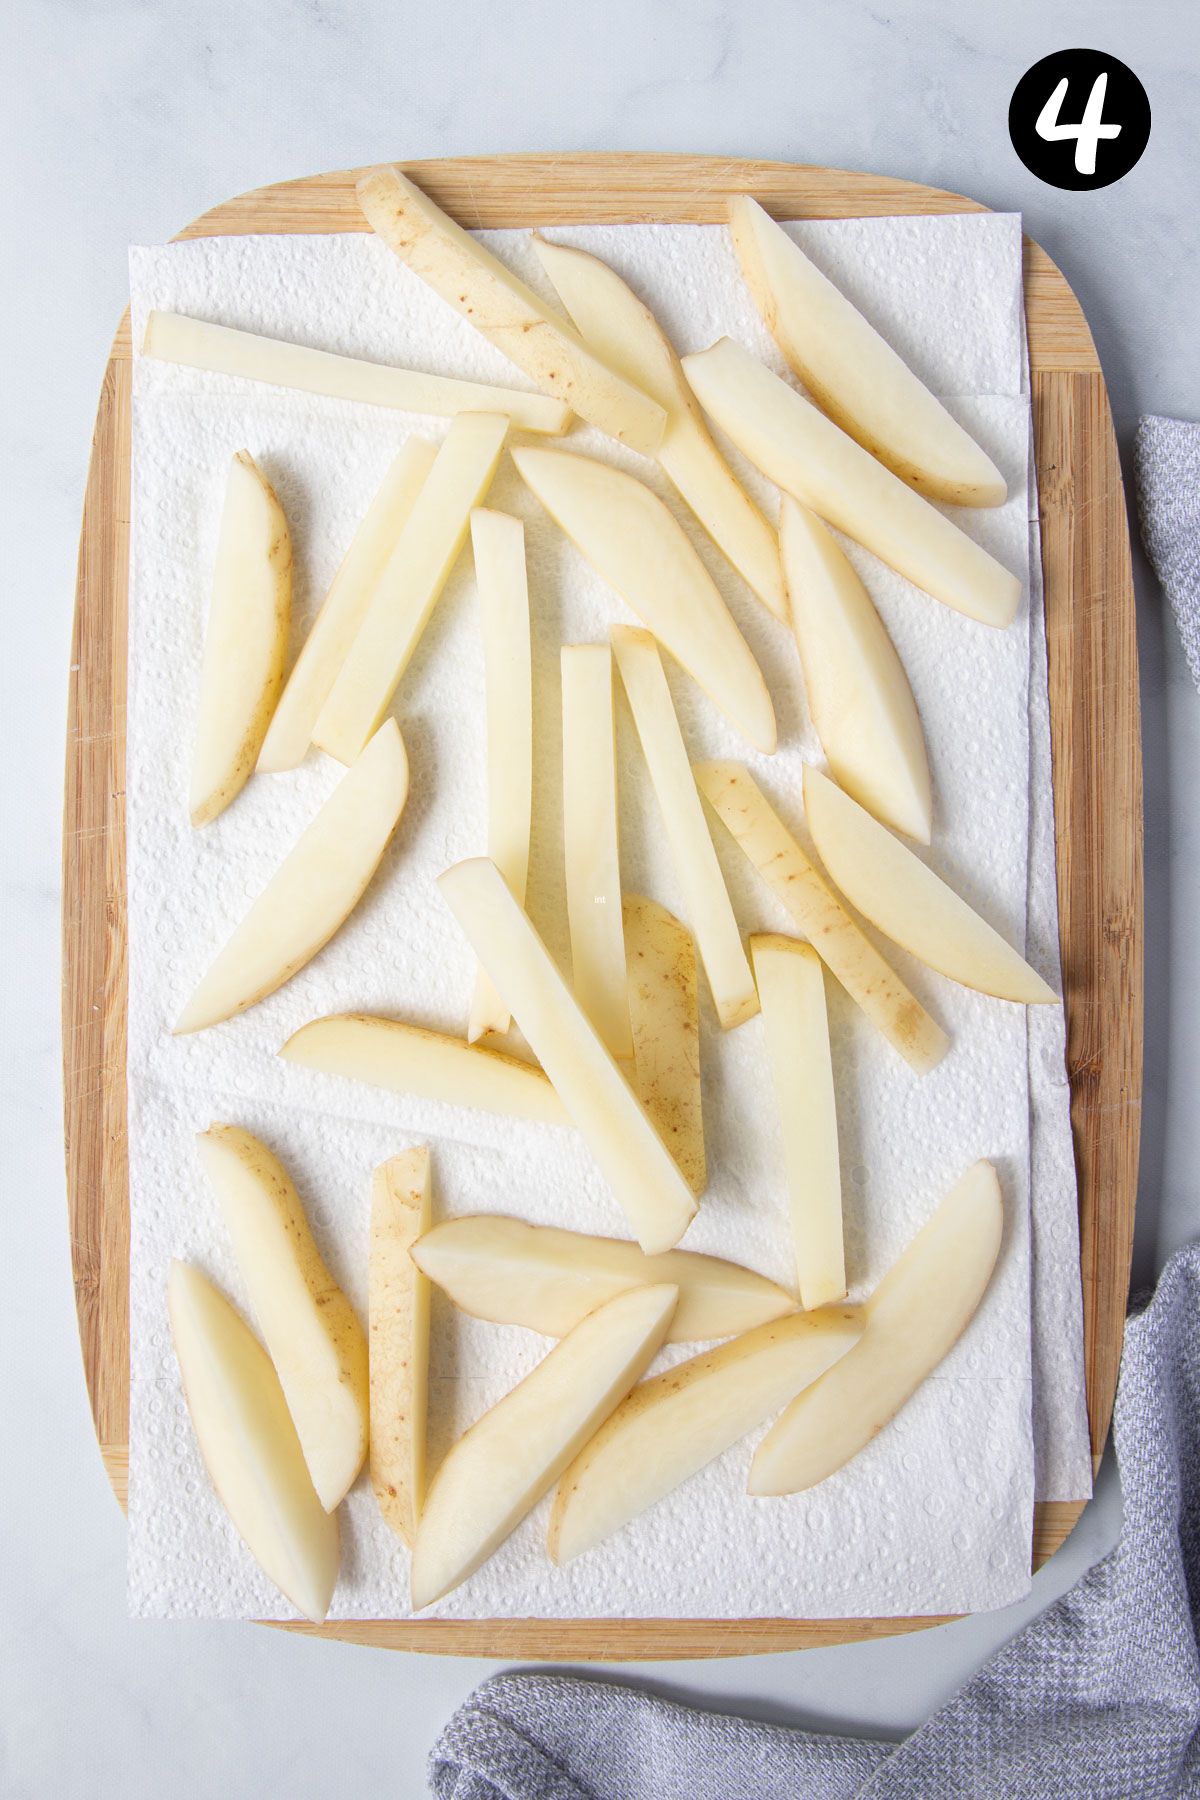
(1166, 462)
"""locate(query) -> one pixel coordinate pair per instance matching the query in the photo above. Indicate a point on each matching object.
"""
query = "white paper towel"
(935, 1516)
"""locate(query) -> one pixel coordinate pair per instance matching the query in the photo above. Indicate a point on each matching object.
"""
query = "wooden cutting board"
(1097, 788)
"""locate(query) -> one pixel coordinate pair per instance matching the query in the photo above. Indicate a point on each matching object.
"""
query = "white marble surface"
(122, 119)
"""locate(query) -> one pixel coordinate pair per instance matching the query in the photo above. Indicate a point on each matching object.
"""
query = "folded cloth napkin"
(1166, 460)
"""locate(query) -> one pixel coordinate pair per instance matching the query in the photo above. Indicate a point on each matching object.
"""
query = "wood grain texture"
(1097, 785)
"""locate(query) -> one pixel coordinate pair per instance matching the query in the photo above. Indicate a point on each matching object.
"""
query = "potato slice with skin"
(664, 1013)
(546, 1279)
(590, 849)
(913, 1319)
(872, 984)
(814, 460)
(858, 693)
(631, 1156)
(625, 333)
(501, 1467)
(905, 900)
(671, 1426)
(246, 640)
(853, 373)
(343, 610)
(501, 306)
(791, 987)
(316, 886)
(310, 1329)
(636, 545)
(710, 914)
(398, 1338)
(410, 586)
(249, 1443)
(410, 1059)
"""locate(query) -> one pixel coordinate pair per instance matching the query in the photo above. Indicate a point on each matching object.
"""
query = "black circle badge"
(1079, 119)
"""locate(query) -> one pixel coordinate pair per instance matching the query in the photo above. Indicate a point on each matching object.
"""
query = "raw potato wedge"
(814, 460)
(626, 335)
(315, 888)
(309, 1327)
(398, 1338)
(590, 847)
(791, 987)
(853, 373)
(710, 914)
(858, 693)
(747, 814)
(664, 1013)
(498, 304)
(501, 1467)
(909, 903)
(171, 337)
(246, 640)
(412, 1060)
(629, 1152)
(674, 1424)
(547, 1279)
(249, 1444)
(636, 545)
(913, 1319)
(498, 541)
(345, 606)
(408, 590)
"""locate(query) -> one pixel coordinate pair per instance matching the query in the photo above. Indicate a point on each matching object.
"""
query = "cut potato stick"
(636, 545)
(813, 459)
(627, 336)
(791, 987)
(498, 541)
(673, 1425)
(909, 903)
(747, 814)
(710, 914)
(345, 606)
(853, 373)
(664, 1014)
(858, 693)
(498, 304)
(913, 1319)
(408, 1059)
(246, 640)
(501, 1467)
(630, 1154)
(410, 585)
(590, 850)
(249, 1443)
(398, 1335)
(314, 889)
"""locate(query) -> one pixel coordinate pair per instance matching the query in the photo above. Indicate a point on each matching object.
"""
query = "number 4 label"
(1090, 129)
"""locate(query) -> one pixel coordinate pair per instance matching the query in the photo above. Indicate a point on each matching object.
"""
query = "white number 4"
(1087, 133)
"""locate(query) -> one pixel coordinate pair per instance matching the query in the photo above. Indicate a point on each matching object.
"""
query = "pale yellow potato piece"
(747, 814)
(913, 1319)
(506, 311)
(309, 1327)
(249, 1444)
(636, 544)
(398, 1338)
(853, 373)
(501, 1467)
(411, 584)
(246, 640)
(664, 1013)
(629, 1152)
(909, 903)
(814, 460)
(314, 889)
(858, 694)
(344, 608)
(591, 852)
(671, 1426)
(625, 333)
